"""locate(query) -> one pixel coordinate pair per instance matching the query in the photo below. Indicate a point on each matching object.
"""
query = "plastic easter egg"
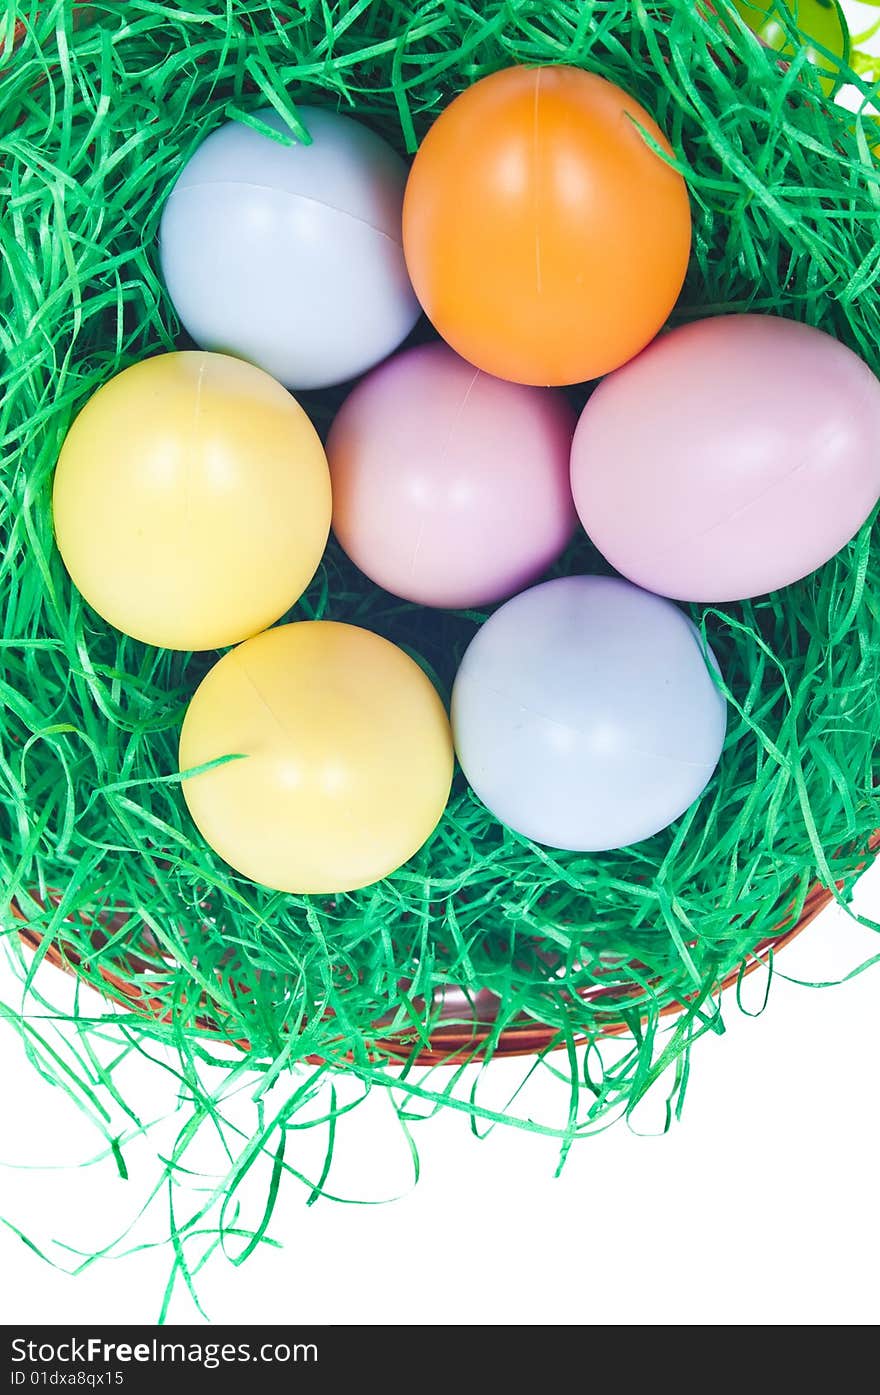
(192, 501)
(290, 255)
(732, 457)
(545, 238)
(450, 487)
(585, 714)
(345, 757)
(821, 22)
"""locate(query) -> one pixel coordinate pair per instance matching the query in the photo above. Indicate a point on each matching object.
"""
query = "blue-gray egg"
(585, 713)
(290, 256)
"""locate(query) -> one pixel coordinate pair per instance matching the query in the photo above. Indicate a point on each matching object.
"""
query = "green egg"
(820, 22)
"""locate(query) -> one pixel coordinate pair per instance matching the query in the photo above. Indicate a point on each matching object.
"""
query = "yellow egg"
(345, 757)
(192, 501)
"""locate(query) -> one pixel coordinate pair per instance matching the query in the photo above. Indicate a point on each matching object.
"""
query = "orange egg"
(545, 239)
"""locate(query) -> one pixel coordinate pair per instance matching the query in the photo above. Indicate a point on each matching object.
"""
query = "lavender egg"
(586, 714)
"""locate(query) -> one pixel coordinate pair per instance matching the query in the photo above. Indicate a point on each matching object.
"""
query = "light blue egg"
(585, 714)
(291, 256)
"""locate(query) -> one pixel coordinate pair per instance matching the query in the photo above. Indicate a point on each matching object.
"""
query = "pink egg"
(451, 487)
(731, 457)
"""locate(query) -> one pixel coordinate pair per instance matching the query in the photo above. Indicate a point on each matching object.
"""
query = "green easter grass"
(95, 120)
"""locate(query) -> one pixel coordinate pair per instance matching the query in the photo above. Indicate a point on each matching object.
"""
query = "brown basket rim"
(455, 1043)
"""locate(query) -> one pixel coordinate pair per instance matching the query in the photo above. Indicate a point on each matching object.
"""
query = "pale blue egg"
(291, 256)
(586, 714)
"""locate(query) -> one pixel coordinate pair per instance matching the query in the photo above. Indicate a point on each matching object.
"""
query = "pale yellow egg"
(345, 757)
(192, 501)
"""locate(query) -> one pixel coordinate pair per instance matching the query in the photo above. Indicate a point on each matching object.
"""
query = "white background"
(760, 1206)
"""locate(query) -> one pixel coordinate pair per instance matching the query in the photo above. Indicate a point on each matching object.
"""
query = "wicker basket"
(463, 1027)
(468, 1027)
